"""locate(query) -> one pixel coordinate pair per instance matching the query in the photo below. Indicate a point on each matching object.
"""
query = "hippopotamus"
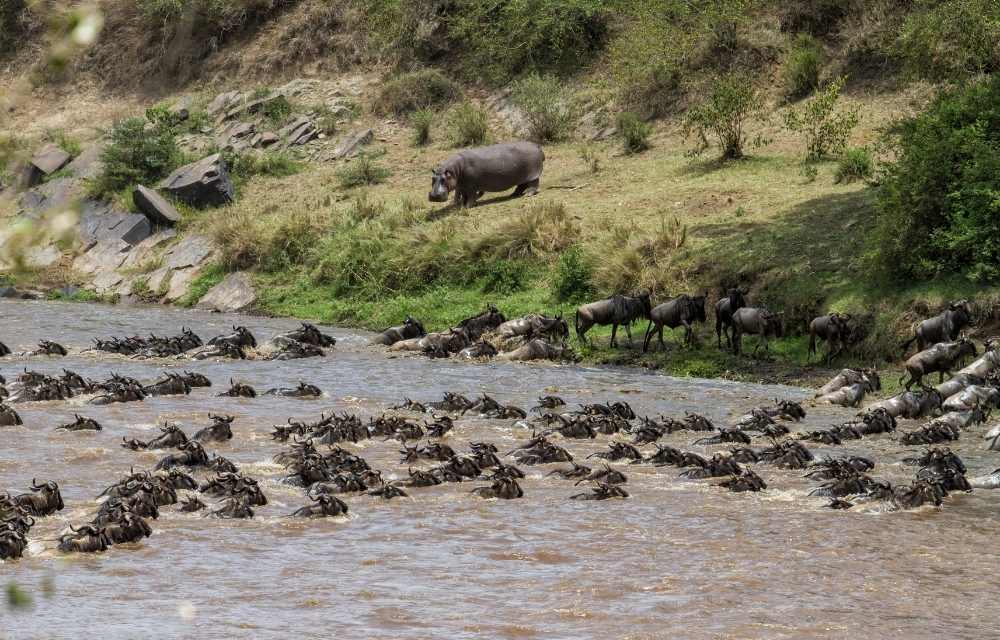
(472, 172)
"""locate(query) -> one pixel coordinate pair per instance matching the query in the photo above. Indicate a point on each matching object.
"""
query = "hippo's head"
(442, 183)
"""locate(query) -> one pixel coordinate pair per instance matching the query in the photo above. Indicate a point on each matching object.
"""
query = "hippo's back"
(499, 167)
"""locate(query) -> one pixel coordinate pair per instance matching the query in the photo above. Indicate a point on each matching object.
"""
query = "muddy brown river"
(678, 559)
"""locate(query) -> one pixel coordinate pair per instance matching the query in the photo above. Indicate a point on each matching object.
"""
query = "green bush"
(421, 121)
(938, 207)
(942, 40)
(824, 128)
(547, 106)
(801, 70)
(634, 132)
(136, 156)
(362, 171)
(504, 277)
(416, 90)
(571, 281)
(855, 164)
(470, 125)
(276, 111)
(499, 40)
(732, 104)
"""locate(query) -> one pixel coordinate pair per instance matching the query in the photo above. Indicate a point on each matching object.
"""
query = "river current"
(678, 559)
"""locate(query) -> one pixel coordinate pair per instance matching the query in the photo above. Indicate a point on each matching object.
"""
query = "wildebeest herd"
(317, 454)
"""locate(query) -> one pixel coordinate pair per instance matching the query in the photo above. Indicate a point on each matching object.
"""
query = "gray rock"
(107, 255)
(202, 183)
(88, 164)
(235, 133)
(155, 206)
(189, 252)
(352, 143)
(157, 279)
(267, 139)
(107, 281)
(223, 101)
(235, 293)
(143, 252)
(50, 159)
(100, 221)
(26, 175)
(180, 282)
(42, 257)
(59, 192)
(182, 108)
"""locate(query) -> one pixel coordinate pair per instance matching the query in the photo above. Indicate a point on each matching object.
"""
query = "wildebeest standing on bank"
(834, 329)
(472, 172)
(616, 310)
(724, 309)
(944, 327)
(755, 321)
(942, 358)
(681, 311)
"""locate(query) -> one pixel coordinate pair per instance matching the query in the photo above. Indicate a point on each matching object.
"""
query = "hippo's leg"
(528, 188)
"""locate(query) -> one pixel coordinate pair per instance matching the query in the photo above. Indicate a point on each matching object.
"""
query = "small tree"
(547, 106)
(824, 127)
(734, 102)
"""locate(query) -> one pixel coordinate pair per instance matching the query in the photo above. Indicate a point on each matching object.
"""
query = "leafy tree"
(733, 103)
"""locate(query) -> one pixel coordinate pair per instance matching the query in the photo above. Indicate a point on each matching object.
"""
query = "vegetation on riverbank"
(792, 208)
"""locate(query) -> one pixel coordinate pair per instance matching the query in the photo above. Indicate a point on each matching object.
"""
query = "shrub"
(547, 107)
(733, 102)
(542, 228)
(243, 166)
(824, 127)
(362, 171)
(588, 153)
(501, 40)
(416, 90)
(421, 121)
(277, 110)
(938, 208)
(135, 155)
(801, 71)
(855, 164)
(504, 277)
(326, 120)
(941, 40)
(470, 125)
(571, 280)
(65, 142)
(634, 132)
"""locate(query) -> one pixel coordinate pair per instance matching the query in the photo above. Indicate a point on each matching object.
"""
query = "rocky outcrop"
(101, 221)
(235, 293)
(352, 143)
(223, 102)
(299, 132)
(157, 209)
(201, 184)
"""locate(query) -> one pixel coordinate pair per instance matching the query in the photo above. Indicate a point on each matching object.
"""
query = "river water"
(678, 559)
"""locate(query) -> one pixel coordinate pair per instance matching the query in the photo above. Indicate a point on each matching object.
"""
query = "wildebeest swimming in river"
(616, 310)
(681, 311)
(944, 327)
(409, 329)
(724, 310)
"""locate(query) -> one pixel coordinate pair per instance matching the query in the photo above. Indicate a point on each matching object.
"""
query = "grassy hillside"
(325, 244)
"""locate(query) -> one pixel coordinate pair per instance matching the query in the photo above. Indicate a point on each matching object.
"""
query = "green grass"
(208, 278)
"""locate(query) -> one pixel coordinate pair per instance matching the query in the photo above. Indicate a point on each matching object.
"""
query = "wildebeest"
(81, 424)
(847, 377)
(306, 334)
(240, 337)
(851, 395)
(944, 327)
(238, 390)
(44, 501)
(86, 539)
(755, 321)
(616, 310)
(535, 325)
(942, 357)
(304, 390)
(681, 311)
(409, 329)
(472, 172)
(483, 322)
(910, 404)
(536, 350)
(9, 417)
(171, 384)
(834, 329)
(220, 430)
(724, 309)
(128, 528)
(324, 505)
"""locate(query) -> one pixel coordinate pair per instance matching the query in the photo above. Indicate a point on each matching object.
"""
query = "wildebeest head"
(50, 491)
(698, 306)
(414, 325)
(443, 182)
(736, 298)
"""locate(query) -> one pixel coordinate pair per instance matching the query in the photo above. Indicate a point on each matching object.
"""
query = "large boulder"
(56, 193)
(88, 164)
(223, 101)
(50, 159)
(300, 131)
(143, 253)
(155, 206)
(235, 293)
(352, 143)
(202, 183)
(189, 252)
(100, 221)
(105, 256)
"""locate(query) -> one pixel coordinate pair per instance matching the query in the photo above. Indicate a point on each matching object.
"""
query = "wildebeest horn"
(35, 486)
